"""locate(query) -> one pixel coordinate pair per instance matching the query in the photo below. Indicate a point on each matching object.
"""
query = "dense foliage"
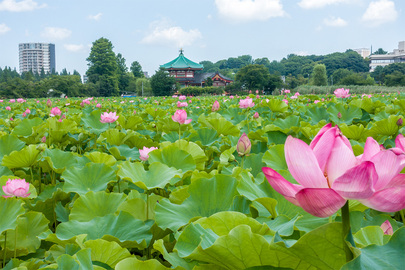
(198, 201)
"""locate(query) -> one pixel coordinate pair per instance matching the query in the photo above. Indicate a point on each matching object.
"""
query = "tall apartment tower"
(37, 56)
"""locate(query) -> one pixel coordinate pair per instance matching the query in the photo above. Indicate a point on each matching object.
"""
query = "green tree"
(103, 68)
(122, 72)
(339, 74)
(395, 79)
(208, 81)
(162, 83)
(319, 75)
(136, 69)
(143, 87)
(253, 76)
(380, 51)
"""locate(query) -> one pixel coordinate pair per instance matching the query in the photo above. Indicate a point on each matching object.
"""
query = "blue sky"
(152, 32)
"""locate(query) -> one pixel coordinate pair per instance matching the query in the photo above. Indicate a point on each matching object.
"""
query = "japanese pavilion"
(184, 70)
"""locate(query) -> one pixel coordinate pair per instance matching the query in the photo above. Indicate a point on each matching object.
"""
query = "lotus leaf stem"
(4, 250)
(346, 232)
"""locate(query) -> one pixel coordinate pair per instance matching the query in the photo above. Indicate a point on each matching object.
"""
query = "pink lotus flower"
(55, 111)
(215, 106)
(342, 93)
(27, 111)
(21, 100)
(287, 91)
(182, 97)
(244, 145)
(8, 108)
(144, 152)
(43, 139)
(316, 101)
(24, 114)
(231, 97)
(17, 188)
(98, 105)
(246, 103)
(180, 116)
(327, 172)
(110, 117)
(181, 104)
(256, 115)
(12, 100)
(49, 103)
(387, 228)
(285, 101)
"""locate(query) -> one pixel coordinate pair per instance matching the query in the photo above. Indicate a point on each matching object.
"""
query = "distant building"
(37, 56)
(382, 60)
(364, 52)
(184, 70)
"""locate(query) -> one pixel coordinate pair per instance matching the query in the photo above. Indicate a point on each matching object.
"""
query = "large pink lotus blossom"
(342, 93)
(180, 116)
(327, 171)
(144, 152)
(110, 117)
(246, 103)
(55, 111)
(17, 188)
(8, 108)
(215, 106)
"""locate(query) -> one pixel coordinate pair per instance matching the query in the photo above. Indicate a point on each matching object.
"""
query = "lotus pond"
(134, 183)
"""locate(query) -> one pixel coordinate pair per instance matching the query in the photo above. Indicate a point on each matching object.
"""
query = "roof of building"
(201, 77)
(182, 62)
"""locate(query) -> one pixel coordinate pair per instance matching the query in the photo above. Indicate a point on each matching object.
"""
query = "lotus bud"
(256, 115)
(339, 115)
(49, 103)
(387, 228)
(400, 122)
(244, 145)
(215, 106)
(43, 139)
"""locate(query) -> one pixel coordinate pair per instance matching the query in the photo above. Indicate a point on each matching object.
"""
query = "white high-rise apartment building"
(37, 56)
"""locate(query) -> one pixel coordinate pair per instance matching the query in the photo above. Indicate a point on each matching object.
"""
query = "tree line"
(109, 75)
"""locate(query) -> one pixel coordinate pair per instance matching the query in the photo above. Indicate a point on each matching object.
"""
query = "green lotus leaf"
(254, 162)
(219, 124)
(57, 130)
(134, 139)
(317, 114)
(364, 219)
(59, 250)
(99, 157)
(385, 127)
(5, 171)
(124, 152)
(66, 262)
(106, 252)
(137, 207)
(289, 124)
(358, 133)
(275, 158)
(59, 160)
(206, 136)
(172, 156)
(206, 198)
(276, 105)
(130, 122)
(276, 137)
(173, 258)
(227, 156)
(92, 177)
(22, 158)
(8, 144)
(192, 148)
(348, 114)
(158, 175)
(370, 235)
(26, 127)
(134, 263)
(95, 204)
(10, 210)
(283, 225)
(124, 229)
(389, 256)
(29, 227)
(112, 136)
(92, 122)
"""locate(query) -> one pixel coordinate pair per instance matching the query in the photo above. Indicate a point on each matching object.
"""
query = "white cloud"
(335, 22)
(55, 33)
(249, 10)
(379, 12)
(96, 17)
(24, 5)
(162, 33)
(4, 28)
(309, 4)
(74, 47)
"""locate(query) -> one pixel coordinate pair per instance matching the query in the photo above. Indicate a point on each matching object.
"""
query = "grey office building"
(37, 56)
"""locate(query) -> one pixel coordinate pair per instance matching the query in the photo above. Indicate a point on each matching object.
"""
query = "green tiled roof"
(182, 62)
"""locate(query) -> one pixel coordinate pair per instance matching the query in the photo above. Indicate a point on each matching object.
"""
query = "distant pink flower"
(316, 101)
(257, 91)
(17, 188)
(43, 139)
(11, 119)
(144, 152)
(189, 101)
(98, 105)
(8, 108)
(246, 103)
(297, 94)
(182, 97)
(49, 103)
(287, 91)
(55, 111)
(1, 100)
(387, 228)
(67, 104)
(27, 111)
(110, 117)
(174, 96)
(215, 106)
(24, 114)
(21, 100)
(285, 101)
(342, 93)
(182, 104)
(231, 97)
(256, 115)
(294, 97)
(180, 116)
(12, 100)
